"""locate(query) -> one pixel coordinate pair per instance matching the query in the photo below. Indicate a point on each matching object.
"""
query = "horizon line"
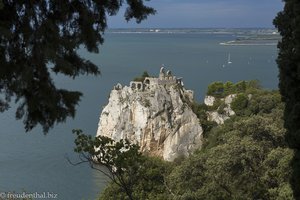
(192, 28)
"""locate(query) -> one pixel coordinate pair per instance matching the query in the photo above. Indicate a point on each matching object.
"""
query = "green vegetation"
(149, 182)
(201, 111)
(244, 91)
(288, 24)
(221, 90)
(245, 158)
(142, 77)
(132, 175)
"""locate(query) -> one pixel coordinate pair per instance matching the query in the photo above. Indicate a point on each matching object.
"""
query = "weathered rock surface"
(226, 112)
(154, 114)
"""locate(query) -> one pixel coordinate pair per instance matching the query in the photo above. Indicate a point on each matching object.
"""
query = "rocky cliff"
(155, 114)
(223, 110)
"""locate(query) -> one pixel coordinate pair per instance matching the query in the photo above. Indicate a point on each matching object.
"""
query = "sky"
(205, 14)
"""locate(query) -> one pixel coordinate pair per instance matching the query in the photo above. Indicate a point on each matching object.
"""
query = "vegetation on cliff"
(142, 77)
(221, 90)
(245, 158)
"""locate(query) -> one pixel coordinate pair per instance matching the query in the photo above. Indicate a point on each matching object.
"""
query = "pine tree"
(38, 38)
(288, 24)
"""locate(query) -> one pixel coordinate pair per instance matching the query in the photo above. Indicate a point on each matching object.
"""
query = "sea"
(31, 162)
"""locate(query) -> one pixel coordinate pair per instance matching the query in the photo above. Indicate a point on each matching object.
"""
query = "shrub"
(142, 77)
(215, 89)
(239, 104)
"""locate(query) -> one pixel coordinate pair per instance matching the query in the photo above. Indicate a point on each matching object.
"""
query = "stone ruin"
(136, 85)
(164, 78)
(118, 87)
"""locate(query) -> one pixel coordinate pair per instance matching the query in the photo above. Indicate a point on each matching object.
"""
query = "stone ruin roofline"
(164, 78)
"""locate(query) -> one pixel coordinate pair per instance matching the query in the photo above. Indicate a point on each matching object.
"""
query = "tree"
(142, 77)
(150, 183)
(239, 103)
(246, 158)
(277, 173)
(241, 86)
(221, 90)
(229, 87)
(132, 175)
(39, 39)
(121, 159)
(215, 89)
(288, 24)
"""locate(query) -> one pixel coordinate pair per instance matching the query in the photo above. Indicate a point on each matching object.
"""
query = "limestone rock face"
(220, 116)
(154, 114)
(209, 100)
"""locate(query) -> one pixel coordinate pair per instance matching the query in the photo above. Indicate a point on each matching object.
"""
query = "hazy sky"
(205, 14)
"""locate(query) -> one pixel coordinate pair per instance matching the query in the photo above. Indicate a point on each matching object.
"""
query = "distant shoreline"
(229, 31)
(247, 44)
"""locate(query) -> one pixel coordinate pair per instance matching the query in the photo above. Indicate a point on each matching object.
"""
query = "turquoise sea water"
(33, 162)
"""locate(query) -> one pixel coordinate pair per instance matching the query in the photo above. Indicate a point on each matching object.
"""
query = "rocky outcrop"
(155, 114)
(221, 113)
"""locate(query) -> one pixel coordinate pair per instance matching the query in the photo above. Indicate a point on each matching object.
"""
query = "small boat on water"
(229, 61)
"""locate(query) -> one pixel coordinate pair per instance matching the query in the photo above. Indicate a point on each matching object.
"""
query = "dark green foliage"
(121, 159)
(201, 111)
(246, 158)
(221, 90)
(221, 108)
(133, 175)
(250, 100)
(149, 185)
(240, 86)
(142, 77)
(265, 102)
(277, 173)
(239, 103)
(229, 87)
(288, 24)
(38, 38)
(256, 101)
(215, 89)
(253, 84)
(224, 172)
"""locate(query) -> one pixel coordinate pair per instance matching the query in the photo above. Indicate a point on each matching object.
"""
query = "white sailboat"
(229, 61)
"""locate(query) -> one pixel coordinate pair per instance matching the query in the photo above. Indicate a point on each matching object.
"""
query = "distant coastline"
(262, 38)
(240, 36)
(239, 32)
(235, 43)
